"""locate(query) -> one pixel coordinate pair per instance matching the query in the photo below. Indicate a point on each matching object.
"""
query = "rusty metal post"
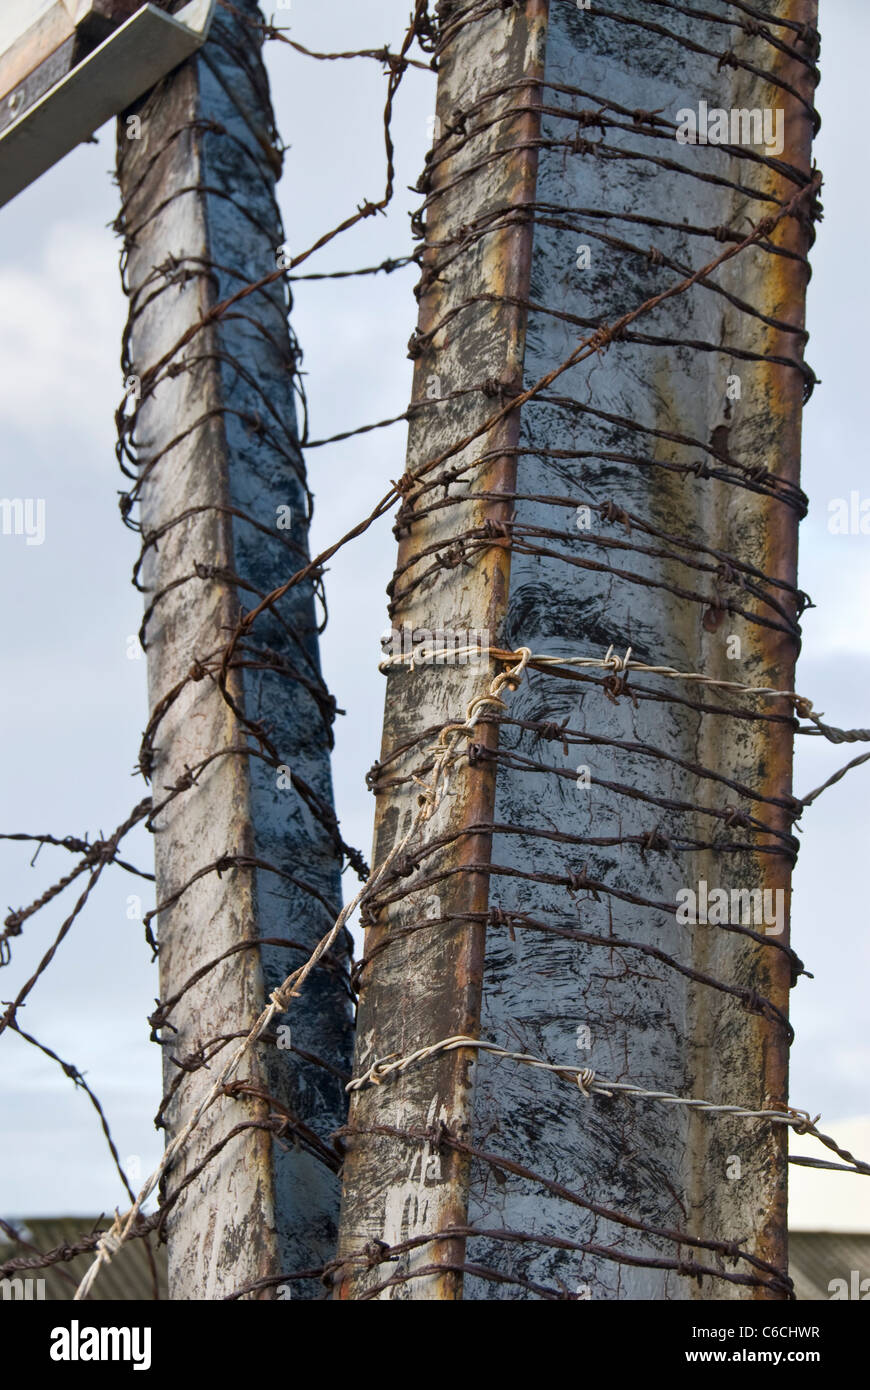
(251, 851)
(539, 916)
(431, 986)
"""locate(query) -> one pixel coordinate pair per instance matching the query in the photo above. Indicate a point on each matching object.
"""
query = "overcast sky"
(73, 704)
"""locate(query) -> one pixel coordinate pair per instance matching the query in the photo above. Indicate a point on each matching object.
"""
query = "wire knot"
(585, 1079)
(803, 1121)
(498, 917)
(110, 1242)
(613, 513)
(405, 484)
(281, 999)
(577, 882)
(655, 840)
(615, 685)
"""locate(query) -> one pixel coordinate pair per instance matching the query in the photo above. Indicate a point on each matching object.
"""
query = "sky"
(73, 704)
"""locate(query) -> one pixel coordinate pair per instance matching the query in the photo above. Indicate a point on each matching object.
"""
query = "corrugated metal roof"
(818, 1257)
(127, 1276)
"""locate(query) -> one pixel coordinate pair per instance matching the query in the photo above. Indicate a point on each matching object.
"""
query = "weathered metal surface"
(732, 1053)
(647, 1023)
(201, 221)
(429, 985)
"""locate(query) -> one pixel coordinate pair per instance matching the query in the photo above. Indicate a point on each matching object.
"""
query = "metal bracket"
(130, 61)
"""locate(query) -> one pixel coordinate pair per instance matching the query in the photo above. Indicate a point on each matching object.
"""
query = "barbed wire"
(589, 1084)
(716, 583)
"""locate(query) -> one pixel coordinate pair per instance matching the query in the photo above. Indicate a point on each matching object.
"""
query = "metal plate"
(130, 61)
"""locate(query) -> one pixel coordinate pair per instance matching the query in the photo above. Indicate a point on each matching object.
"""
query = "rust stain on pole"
(697, 1014)
(219, 474)
(432, 986)
(765, 428)
(785, 298)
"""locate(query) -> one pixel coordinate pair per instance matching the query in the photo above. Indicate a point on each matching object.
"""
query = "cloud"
(820, 1200)
(58, 314)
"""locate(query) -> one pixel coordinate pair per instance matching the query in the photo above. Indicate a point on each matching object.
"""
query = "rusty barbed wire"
(716, 583)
